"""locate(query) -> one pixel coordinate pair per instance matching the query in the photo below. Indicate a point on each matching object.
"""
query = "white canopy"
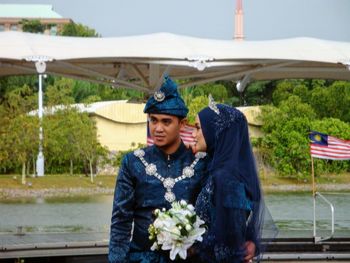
(138, 62)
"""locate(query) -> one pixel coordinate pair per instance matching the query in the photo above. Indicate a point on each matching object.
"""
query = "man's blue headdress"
(167, 100)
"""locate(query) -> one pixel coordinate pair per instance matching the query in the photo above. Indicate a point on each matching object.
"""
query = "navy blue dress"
(231, 202)
(238, 208)
(137, 195)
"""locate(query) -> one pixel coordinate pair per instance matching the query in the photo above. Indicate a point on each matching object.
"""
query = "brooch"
(159, 96)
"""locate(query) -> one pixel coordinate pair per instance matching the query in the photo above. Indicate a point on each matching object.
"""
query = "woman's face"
(200, 144)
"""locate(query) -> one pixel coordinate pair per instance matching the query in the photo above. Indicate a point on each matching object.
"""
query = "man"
(152, 178)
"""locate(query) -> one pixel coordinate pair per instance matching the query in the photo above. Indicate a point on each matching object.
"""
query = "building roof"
(28, 11)
(116, 110)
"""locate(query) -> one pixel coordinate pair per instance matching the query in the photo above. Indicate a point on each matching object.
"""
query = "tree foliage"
(32, 26)
(299, 107)
(197, 104)
(78, 30)
(70, 137)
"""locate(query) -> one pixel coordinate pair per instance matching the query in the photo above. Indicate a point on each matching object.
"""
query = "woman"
(231, 202)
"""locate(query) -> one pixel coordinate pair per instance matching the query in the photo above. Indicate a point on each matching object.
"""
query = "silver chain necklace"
(169, 183)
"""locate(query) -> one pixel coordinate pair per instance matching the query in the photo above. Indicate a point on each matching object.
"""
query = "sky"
(263, 19)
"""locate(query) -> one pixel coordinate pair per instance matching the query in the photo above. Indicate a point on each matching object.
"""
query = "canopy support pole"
(40, 65)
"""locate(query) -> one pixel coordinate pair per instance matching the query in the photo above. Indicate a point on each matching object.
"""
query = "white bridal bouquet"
(176, 229)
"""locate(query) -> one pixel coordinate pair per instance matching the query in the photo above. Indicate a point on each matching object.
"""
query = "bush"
(299, 109)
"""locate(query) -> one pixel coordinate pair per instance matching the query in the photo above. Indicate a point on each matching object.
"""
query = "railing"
(318, 238)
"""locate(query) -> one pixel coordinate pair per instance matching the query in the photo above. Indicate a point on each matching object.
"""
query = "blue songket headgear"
(225, 131)
(167, 100)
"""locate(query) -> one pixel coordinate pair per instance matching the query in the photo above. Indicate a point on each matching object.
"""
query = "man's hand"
(249, 251)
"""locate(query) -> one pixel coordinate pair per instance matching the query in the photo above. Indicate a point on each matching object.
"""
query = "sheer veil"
(235, 177)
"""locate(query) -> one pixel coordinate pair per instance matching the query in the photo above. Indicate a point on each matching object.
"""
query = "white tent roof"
(138, 62)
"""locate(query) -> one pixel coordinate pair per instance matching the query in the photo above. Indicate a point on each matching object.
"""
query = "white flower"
(154, 246)
(190, 207)
(183, 202)
(176, 229)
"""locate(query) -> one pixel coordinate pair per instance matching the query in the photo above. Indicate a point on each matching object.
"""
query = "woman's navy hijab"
(226, 135)
(227, 139)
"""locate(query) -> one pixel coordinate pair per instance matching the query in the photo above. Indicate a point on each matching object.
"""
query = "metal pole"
(313, 195)
(313, 177)
(40, 66)
(40, 159)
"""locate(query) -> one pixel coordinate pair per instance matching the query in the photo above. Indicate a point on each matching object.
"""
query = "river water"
(293, 214)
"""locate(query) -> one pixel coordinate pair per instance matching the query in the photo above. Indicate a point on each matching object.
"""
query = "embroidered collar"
(168, 182)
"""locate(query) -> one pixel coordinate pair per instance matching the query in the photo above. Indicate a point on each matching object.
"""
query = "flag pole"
(313, 177)
(313, 195)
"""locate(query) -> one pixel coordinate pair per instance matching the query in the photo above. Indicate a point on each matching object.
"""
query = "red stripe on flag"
(329, 149)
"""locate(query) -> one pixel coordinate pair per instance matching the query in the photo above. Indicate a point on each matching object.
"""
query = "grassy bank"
(67, 185)
(328, 182)
(61, 185)
(56, 181)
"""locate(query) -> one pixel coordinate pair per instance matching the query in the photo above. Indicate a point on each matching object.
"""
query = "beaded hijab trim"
(168, 183)
(212, 105)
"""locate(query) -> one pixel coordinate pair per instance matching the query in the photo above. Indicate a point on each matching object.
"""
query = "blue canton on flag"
(318, 138)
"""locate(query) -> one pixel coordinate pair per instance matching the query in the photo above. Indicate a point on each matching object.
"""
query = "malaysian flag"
(328, 147)
(185, 133)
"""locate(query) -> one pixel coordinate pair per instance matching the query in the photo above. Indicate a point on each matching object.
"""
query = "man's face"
(165, 130)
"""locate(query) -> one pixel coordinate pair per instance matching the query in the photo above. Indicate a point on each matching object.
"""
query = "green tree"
(7, 84)
(78, 30)
(88, 145)
(332, 101)
(19, 131)
(218, 91)
(4, 152)
(22, 141)
(12, 104)
(92, 99)
(303, 106)
(294, 107)
(286, 140)
(20, 100)
(258, 93)
(83, 91)
(195, 106)
(32, 26)
(285, 89)
(60, 92)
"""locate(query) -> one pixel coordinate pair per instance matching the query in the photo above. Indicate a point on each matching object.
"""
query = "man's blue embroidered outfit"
(149, 179)
(138, 194)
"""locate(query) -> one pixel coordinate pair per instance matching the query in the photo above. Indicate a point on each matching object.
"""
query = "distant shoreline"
(9, 194)
(13, 194)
